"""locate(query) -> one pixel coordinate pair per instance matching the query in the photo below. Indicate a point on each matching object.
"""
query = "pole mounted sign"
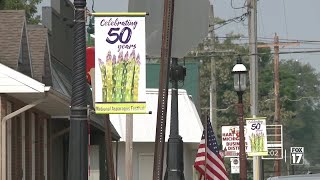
(275, 148)
(235, 165)
(230, 141)
(296, 155)
(120, 63)
(257, 136)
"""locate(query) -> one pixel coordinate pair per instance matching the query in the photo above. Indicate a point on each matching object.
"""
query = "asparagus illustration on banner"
(103, 77)
(261, 142)
(124, 76)
(108, 79)
(257, 142)
(129, 78)
(136, 78)
(114, 70)
(118, 78)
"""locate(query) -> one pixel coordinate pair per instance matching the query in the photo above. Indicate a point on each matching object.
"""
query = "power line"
(237, 19)
(285, 98)
(225, 54)
(271, 39)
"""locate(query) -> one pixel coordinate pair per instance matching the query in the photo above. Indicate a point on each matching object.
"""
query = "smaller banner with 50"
(257, 136)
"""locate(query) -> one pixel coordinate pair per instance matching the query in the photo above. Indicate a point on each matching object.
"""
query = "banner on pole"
(120, 63)
(230, 140)
(257, 136)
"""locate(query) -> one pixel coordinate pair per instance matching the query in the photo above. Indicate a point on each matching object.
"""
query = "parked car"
(297, 177)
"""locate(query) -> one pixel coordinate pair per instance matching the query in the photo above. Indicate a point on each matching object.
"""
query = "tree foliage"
(30, 7)
(299, 97)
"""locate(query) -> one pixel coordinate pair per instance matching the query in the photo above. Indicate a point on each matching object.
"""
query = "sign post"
(297, 155)
(257, 136)
(230, 140)
(120, 70)
(275, 148)
(235, 165)
(120, 63)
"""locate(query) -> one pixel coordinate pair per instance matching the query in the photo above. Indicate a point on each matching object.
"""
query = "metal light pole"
(175, 164)
(78, 137)
(240, 72)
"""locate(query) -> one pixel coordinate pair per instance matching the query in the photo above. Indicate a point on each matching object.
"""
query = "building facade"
(35, 92)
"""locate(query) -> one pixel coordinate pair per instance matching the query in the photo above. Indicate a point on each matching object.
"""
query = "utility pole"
(252, 9)
(276, 45)
(277, 163)
(129, 146)
(163, 88)
(213, 84)
(78, 137)
(109, 150)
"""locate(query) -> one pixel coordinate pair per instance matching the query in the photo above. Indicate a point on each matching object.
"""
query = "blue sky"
(290, 19)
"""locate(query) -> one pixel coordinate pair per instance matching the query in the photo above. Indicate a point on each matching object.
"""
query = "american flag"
(209, 163)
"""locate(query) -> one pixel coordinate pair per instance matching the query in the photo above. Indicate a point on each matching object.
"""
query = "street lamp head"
(239, 72)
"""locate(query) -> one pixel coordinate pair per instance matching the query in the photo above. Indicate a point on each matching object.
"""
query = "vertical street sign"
(235, 165)
(120, 69)
(275, 148)
(230, 141)
(256, 136)
(296, 155)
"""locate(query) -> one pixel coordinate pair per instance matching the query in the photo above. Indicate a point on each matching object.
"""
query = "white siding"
(145, 167)
(147, 149)
(94, 163)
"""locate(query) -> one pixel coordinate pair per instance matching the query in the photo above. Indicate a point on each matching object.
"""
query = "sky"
(290, 19)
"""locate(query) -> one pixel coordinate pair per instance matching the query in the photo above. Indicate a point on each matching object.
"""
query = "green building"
(191, 83)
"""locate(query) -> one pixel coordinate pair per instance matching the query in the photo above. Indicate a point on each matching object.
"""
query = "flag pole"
(206, 145)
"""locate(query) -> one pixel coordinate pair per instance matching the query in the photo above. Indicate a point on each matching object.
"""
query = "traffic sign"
(296, 155)
(235, 165)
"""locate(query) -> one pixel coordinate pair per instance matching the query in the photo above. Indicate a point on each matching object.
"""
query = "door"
(145, 166)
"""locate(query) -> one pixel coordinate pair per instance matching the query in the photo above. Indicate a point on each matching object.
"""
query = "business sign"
(235, 165)
(120, 64)
(275, 147)
(257, 136)
(230, 141)
(296, 155)
(273, 153)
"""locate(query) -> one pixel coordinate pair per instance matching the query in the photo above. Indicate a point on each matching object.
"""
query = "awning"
(44, 98)
(30, 91)
(12, 81)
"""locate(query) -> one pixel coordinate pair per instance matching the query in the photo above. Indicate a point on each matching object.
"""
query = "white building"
(144, 130)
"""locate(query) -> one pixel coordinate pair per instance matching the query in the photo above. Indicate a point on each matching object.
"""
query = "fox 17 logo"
(297, 155)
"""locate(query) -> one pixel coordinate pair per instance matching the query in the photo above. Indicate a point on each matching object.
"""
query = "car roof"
(296, 177)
